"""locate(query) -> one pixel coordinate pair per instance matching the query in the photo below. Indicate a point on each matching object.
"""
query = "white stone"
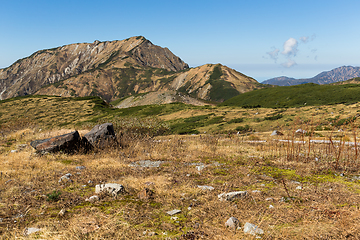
(232, 222)
(204, 187)
(232, 195)
(112, 188)
(252, 229)
(65, 178)
(271, 206)
(173, 212)
(298, 188)
(276, 133)
(300, 131)
(200, 168)
(62, 212)
(92, 199)
(31, 230)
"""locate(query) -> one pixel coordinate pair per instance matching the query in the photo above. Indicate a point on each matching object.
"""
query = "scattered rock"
(252, 229)
(149, 183)
(146, 163)
(92, 199)
(150, 234)
(101, 136)
(232, 195)
(276, 133)
(269, 199)
(200, 168)
(31, 230)
(145, 194)
(62, 212)
(256, 191)
(21, 146)
(65, 178)
(68, 143)
(80, 167)
(173, 212)
(233, 223)
(300, 131)
(112, 188)
(206, 187)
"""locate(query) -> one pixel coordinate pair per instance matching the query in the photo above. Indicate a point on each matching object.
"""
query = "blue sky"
(262, 39)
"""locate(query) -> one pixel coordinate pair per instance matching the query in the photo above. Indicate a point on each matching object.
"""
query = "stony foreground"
(180, 187)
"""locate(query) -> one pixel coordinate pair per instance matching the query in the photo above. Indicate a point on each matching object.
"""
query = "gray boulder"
(66, 178)
(112, 188)
(233, 223)
(252, 229)
(92, 199)
(101, 136)
(173, 212)
(68, 143)
(276, 133)
(205, 187)
(232, 195)
(31, 230)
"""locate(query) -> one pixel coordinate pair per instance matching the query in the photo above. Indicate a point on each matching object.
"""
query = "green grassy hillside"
(296, 96)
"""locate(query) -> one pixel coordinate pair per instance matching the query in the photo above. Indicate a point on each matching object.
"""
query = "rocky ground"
(180, 187)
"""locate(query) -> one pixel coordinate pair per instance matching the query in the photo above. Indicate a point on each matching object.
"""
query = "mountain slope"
(28, 75)
(119, 69)
(208, 82)
(309, 94)
(335, 75)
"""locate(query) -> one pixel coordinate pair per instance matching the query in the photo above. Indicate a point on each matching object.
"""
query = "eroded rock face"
(28, 75)
(101, 135)
(68, 142)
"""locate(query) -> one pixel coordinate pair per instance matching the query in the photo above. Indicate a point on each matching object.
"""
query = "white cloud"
(290, 47)
(304, 39)
(289, 63)
(274, 54)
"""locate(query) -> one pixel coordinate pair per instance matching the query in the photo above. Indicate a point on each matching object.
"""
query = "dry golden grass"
(327, 206)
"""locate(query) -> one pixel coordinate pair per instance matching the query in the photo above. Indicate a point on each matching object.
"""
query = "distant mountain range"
(336, 75)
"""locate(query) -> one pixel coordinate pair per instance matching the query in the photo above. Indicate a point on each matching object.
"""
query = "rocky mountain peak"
(49, 66)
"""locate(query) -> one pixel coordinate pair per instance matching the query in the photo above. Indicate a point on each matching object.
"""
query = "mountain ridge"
(117, 69)
(49, 66)
(339, 74)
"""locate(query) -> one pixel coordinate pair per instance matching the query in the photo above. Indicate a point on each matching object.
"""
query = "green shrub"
(309, 94)
(54, 196)
(243, 129)
(275, 117)
(236, 120)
